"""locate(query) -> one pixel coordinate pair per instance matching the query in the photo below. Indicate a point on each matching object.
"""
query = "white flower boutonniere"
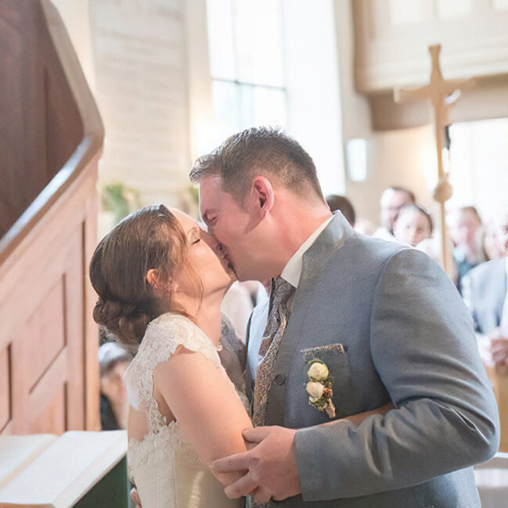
(319, 387)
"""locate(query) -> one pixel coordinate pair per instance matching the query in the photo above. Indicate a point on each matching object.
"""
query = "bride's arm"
(206, 406)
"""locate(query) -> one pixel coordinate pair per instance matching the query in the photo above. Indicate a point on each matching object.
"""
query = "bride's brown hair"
(151, 238)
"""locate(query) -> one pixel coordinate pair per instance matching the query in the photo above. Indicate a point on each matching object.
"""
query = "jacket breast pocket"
(335, 357)
(321, 352)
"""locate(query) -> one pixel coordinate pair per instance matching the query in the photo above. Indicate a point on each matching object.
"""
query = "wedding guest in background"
(392, 200)
(413, 224)
(344, 205)
(485, 293)
(466, 232)
(113, 360)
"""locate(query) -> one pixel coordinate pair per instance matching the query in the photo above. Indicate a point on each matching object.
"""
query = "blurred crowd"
(480, 260)
(480, 274)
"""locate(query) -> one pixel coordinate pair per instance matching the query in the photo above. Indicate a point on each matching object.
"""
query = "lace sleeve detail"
(162, 338)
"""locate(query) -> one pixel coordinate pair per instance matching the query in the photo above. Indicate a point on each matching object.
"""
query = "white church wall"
(314, 108)
(201, 114)
(405, 158)
(141, 73)
(76, 17)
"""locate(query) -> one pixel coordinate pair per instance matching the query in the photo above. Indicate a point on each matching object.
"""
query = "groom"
(383, 323)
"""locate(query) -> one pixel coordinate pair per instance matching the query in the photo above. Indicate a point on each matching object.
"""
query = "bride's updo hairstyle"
(151, 238)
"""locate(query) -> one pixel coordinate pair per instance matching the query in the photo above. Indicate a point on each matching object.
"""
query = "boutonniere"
(319, 387)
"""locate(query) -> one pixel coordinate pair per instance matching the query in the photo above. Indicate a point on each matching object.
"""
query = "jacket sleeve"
(424, 349)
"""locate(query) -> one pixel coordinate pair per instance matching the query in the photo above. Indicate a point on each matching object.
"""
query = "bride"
(160, 281)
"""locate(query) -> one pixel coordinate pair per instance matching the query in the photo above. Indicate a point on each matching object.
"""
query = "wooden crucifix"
(442, 94)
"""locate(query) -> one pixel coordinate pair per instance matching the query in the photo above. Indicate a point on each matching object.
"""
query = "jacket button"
(280, 379)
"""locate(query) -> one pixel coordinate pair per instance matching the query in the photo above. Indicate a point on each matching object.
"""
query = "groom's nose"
(210, 239)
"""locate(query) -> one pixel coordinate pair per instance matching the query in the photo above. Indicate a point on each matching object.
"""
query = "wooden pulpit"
(51, 138)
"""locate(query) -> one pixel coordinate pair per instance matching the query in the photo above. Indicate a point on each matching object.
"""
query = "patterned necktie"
(281, 299)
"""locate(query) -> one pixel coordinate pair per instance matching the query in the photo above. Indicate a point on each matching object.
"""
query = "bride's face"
(206, 257)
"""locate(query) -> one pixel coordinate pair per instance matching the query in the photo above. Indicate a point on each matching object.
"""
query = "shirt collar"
(293, 269)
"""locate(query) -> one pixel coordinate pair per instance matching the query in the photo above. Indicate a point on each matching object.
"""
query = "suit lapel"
(330, 240)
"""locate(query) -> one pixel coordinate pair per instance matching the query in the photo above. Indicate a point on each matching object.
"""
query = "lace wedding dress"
(165, 468)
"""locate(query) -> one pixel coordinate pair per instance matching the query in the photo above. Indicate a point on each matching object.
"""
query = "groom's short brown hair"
(257, 151)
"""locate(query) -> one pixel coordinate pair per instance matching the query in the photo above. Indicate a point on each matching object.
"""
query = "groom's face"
(234, 226)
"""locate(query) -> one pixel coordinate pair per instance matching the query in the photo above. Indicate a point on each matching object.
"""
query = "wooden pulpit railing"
(51, 138)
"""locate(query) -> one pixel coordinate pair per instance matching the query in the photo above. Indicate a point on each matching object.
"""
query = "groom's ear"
(262, 194)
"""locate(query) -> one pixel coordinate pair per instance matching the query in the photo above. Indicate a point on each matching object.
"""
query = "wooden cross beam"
(442, 95)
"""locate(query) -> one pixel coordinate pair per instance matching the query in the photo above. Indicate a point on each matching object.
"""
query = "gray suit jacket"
(484, 288)
(390, 326)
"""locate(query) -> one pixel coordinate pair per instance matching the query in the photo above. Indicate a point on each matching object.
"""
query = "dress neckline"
(185, 318)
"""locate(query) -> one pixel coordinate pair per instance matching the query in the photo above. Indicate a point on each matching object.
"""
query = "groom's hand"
(272, 471)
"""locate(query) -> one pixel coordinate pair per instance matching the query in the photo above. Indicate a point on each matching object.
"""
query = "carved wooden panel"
(46, 300)
(48, 351)
(44, 334)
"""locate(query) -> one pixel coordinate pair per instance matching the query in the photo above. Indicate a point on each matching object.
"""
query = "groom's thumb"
(256, 435)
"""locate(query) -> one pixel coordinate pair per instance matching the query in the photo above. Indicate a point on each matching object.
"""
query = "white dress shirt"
(291, 273)
(237, 306)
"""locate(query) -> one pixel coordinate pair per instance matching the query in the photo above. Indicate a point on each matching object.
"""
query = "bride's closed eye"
(194, 235)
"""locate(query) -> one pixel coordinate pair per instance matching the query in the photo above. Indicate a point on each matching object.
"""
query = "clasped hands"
(269, 466)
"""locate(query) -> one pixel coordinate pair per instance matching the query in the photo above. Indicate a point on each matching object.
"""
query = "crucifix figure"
(442, 94)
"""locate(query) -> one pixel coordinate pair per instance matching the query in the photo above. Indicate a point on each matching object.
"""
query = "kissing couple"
(364, 383)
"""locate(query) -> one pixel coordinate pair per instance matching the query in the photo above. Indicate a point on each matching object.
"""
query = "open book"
(57, 472)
